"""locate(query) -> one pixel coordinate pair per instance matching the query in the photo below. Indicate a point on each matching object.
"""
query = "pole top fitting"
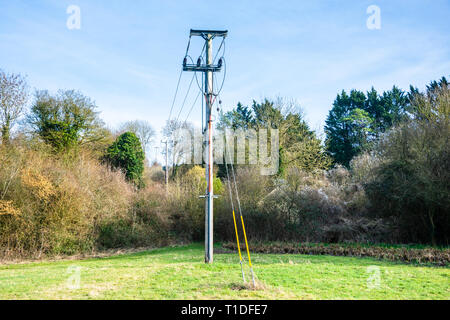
(205, 34)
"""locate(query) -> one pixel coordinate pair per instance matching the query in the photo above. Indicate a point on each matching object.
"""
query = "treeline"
(381, 176)
(69, 184)
(357, 120)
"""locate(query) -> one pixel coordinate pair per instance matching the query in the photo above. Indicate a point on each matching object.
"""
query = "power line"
(194, 75)
(185, 97)
(175, 95)
(218, 50)
(179, 79)
(192, 107)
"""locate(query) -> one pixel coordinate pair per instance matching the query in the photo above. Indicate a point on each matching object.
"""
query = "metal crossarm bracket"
(213, 33)
(202, 68)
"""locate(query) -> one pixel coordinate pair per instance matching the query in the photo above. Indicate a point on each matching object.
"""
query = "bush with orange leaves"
(7, 208)
(39, 185)
(53, 204)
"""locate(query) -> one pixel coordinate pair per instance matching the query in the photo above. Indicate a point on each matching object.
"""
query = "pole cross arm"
(202, 68)
(213, 33)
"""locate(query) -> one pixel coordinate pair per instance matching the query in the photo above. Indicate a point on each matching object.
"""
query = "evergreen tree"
(241, 117)
(394, 104)
(298, 145)
(356, 120)
(339, 127)
(126, 153)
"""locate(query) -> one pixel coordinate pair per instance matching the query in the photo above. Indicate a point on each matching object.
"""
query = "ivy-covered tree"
(126, 153)
(142, 129)
(66, 119)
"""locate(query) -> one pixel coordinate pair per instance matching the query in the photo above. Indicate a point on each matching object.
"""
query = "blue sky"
(127, 54)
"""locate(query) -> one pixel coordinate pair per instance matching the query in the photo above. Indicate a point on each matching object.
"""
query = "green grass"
(179, 273)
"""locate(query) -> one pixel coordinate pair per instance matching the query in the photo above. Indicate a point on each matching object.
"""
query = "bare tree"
(13, 97)
(142, 129)
(173, 132)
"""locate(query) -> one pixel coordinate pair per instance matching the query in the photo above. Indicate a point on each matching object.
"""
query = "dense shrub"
(154, 174)
(252, 188)
(322, 206)
(411, 184)
(51, 206)
(185, 209)
(145, 225)
(69, 202)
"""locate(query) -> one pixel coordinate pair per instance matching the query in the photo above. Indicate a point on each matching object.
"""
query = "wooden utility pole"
(166, 171)
(155, 159)
(208, 68)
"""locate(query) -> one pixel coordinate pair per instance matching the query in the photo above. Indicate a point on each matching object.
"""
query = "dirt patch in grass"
(223, 250)
(248, 285)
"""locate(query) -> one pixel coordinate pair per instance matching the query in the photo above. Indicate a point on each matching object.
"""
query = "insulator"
(219, 64)
(184, 62)
(220, 101)
(199, 62)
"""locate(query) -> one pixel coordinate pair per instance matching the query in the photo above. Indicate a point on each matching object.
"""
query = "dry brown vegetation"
(60, 201)
(50, 205)
(440, 257)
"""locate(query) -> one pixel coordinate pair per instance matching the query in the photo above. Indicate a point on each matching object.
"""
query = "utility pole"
(156, 155)
(210, 162)
(166, 171)
(208, 69)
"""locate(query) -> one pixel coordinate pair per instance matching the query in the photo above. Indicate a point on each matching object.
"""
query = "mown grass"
(179, 273)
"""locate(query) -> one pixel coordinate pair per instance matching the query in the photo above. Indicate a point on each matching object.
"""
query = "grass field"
(179, 273)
